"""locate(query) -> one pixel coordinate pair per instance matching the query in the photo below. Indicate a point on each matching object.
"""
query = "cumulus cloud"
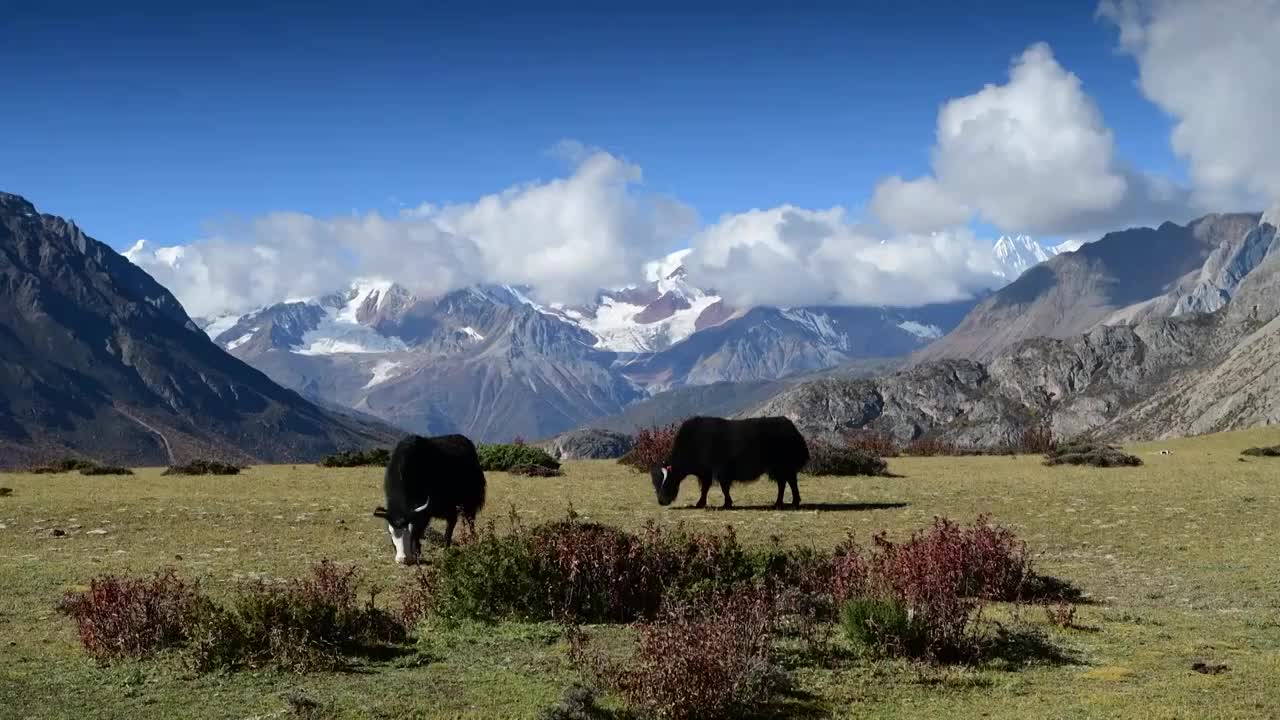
(1213, 67)
(1032, 155)
(565, 237)
(917, 205)
(794, 256)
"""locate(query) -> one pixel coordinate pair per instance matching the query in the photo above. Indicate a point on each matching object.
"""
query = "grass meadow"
(1178, 558)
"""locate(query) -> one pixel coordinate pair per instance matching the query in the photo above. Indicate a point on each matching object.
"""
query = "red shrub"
(872, 441)
(710, 659)
(652, 446)
(942, 576)
(132, 617)
(1035, 441)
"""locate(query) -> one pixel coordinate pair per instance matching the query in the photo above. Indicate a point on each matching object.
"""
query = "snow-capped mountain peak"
(1015, 254)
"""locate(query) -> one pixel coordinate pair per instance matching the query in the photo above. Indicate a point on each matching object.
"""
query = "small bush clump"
(306, 624)
(884, 627)
(931, 446)
(1087, 453)
(1272, 451)
(577, 703)
(652, 446)
(303, 625)
(576, 571)
(504, 457)
(203, 467)
(120, 617)
(941, 577)
(714, 659)
(106, 470)
(64, 465)
(535, 471)
(377, 457)
(828, 459)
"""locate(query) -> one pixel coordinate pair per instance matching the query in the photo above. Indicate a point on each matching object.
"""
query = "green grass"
(1179, 555)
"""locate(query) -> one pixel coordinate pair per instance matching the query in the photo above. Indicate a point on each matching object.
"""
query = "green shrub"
(203, 467)
(1088, 453)
(535, 471)
(105, 470)
(377, 457)
(1272, 451)
(502, 457)
(577, 703)
(828, 459)
(64, 465)
(884, 628)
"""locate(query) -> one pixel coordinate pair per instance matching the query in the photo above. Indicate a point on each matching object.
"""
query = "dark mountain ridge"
(98, 359)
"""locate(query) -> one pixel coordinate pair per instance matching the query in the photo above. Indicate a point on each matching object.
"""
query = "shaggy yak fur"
(426, 478)
(732, 451)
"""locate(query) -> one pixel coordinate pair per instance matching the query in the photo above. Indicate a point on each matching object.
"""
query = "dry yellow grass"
(1179, 555)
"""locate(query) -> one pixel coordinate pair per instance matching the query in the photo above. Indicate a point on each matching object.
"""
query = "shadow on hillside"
(824, 507)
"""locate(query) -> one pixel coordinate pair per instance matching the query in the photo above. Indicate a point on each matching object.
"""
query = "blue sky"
(149, 121)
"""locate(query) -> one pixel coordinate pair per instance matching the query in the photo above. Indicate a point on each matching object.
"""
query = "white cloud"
(1213, 66)
(793, 256)
(565, 237)
(917, 205)
(1032, 155)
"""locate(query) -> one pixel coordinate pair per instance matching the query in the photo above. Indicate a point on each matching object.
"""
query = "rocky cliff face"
(1160, 377)
(96, 358)
(1124, 277)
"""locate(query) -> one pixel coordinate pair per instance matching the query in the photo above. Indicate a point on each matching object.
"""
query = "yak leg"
(795, 491)
(448, 528)
(782, 484)
(704, 484)
(724, 488)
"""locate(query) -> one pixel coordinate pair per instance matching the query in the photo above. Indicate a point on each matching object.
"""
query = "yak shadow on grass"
(1018, 648)
(1049, 588)
(824, 507)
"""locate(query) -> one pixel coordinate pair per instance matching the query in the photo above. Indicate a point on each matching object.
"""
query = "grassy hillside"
(1178, 557)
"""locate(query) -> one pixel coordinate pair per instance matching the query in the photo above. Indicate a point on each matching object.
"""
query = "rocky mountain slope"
(1121, 277)
(1163, 376)
(98, 359)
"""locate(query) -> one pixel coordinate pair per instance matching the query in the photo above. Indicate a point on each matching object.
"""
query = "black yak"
(426, 478)
(732, 451)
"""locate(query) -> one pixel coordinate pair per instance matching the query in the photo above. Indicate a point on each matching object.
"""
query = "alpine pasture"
(1176, 559)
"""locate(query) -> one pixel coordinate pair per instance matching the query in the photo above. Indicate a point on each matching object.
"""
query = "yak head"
(405, 529)
(666, 483)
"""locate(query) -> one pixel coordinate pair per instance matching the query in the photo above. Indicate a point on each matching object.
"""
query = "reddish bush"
(652, 446)
(132, 617)
(943, 575)
(598, 572)
(414, 601)
(710, 659)
(872, 441)
(306, 624)
(1061, 613)
(1035, 441)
